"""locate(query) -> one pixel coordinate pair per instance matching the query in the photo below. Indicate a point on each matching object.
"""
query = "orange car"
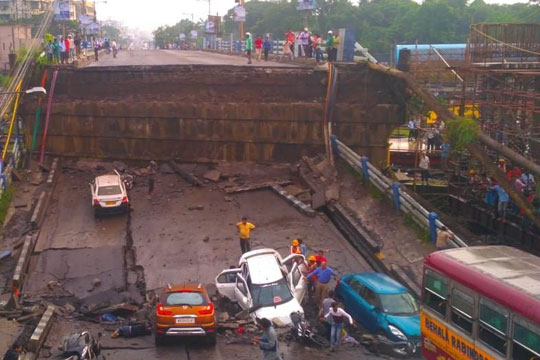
(185, 310)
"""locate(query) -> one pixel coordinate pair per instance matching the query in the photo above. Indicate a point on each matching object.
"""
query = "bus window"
(435, 291)
(493, 326)
(526, 340)
(462, 310)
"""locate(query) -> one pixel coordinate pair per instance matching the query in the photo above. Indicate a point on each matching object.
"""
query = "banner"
(182, 37)
(62, 10)
(307, 5)
(92, 29)
(85, 19)
(239, 14)
(193, 34)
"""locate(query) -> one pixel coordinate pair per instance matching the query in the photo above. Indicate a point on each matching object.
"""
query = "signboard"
(193, 34)
(85, 19)
(239, 14)
(307, 5)
(62, 10)
(182, 37)
(210, 26)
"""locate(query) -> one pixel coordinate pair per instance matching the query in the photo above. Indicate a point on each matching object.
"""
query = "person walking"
(289, 36)
(249, 46)
(338, 316)
(324, 274)
(326, 305)
(96, 49)
(267, 47)
(244, 232)
(424, 168)
(68, 49)
(443, 236)
(268, 342)
(258, 47)
(330, 45)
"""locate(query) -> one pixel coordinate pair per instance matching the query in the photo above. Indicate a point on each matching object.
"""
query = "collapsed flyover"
(198, 113)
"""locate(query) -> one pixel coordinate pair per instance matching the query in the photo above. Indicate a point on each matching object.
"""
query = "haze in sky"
(149, 15)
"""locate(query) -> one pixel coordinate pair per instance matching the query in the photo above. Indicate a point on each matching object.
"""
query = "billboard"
(182, 37)
(193, 34)
(62, 10)
(213, 24)
(239, 13)
(307, 4)
(210, 26)
(92, 29)
(85, 19)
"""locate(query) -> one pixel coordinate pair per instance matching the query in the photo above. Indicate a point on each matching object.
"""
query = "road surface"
(176, 57)
(179, 233)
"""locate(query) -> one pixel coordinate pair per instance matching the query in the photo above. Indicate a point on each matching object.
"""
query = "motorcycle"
(379, 343)
(128, 181)
(302, 332)
(81, 346)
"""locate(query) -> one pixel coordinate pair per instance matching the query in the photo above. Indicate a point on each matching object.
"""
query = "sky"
(148, 15)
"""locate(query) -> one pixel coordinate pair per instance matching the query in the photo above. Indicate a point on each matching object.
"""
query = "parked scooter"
(81, 346)
(302, 332)
(128, 181)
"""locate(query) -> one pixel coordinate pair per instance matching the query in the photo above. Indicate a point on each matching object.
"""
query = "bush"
(460, 132)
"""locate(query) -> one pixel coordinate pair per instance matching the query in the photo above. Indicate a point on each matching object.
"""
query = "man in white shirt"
(338, 316)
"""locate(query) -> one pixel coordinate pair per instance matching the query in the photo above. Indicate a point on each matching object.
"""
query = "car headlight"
(397, 333)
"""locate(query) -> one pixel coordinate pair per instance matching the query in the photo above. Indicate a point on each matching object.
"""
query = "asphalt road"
(171, 244)
(176, 57)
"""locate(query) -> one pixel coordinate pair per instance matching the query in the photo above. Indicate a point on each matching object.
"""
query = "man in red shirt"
(258, 47)
(66, 42)
(319, 257)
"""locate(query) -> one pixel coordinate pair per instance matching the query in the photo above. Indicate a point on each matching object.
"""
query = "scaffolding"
(502, 83)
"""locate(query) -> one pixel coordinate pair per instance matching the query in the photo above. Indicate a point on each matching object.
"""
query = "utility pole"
(241, 25)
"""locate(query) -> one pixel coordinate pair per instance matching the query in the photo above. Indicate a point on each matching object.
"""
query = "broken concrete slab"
(295, 190)
(212, 175)
(332, 192)
(120, 166)
(166, 168)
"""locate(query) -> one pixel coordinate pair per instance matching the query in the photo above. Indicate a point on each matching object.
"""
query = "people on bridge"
(317, 44)
(258, 47)
(330, 45)
(423, 164)
(267, 47)
(249, 46)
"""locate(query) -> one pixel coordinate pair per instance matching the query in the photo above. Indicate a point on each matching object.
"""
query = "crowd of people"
(319, 275)
(66, 49)
(308, 45)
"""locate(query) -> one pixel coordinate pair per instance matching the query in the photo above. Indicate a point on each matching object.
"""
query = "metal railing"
(401, 199)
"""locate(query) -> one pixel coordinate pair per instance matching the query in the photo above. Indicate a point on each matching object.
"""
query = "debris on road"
(190, 178)
(195, 207)
(212, 175)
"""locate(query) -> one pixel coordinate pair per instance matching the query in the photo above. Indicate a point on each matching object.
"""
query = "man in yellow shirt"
(244, 231)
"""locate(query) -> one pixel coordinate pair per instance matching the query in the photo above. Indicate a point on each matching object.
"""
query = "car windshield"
(184, 298)
(271, 294)
(109, 190)
(399, 304)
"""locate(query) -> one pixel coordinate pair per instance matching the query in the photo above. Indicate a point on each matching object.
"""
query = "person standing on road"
(326, 305)
(268, 342)
(68, 49)
(287, 51)
(410, 126)
(338, 316)
(71, 43)
(317, 43)
(77, 43)
(56, 51)
(335, 46)
(244, 232)
(96, 49)
(295, 247)
(424, 168)
(312, 280)
(303, 247)
(289, 36)
(62, 49)
(267, 47)
(258, 47)
(249, 47)
(324, 275)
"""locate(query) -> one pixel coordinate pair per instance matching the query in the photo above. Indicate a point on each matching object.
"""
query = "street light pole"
(241, 24)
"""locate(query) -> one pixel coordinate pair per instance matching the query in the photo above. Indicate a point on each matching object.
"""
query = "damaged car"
(265, 285)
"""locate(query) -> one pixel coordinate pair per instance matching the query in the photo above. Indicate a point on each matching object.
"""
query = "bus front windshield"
(399, 304)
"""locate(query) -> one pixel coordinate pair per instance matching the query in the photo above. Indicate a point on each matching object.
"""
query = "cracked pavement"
(169, 243)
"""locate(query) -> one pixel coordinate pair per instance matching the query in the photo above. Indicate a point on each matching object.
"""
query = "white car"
(109, 194)
(266, 284)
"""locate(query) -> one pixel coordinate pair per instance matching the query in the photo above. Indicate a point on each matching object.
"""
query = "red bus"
(481, 303)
